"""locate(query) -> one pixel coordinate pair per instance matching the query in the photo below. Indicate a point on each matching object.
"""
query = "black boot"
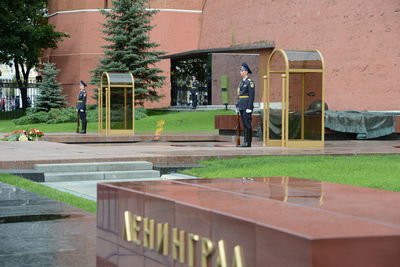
(84, 124)
(249, 136)
(244, 138)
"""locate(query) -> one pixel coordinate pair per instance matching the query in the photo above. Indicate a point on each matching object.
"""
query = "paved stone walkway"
(23, 155)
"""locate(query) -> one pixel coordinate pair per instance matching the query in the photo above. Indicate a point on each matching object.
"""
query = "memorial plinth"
(258, 222)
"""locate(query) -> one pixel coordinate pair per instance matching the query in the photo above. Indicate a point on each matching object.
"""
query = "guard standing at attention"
(194, 91)
(81, 106)
(246, 92)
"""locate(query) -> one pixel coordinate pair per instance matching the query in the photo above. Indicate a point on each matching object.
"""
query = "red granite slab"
(279, 221)
(365, 203)
(229, 122)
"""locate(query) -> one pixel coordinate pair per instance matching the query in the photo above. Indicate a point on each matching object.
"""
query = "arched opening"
(294, 99)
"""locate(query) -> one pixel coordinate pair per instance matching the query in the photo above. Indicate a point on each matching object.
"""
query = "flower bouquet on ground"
(22, 135)
(34, 134)
(19, 135)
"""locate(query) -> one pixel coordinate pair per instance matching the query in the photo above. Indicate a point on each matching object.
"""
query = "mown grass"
(374, 171)
(64, 197)
(173, 121)
(181, 121)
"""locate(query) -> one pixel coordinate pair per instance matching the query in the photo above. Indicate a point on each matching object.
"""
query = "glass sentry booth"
(116, 101)
(294, 102)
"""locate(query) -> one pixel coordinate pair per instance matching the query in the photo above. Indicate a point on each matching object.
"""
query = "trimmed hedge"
(61, 115)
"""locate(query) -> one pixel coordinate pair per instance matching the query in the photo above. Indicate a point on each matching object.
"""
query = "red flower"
(35, 133)
(14, 132)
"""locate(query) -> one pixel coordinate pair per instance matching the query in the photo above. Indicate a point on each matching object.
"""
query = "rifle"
(238, 130)
(77, 122)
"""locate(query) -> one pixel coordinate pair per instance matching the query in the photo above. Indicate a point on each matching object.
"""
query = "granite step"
(95, 166)
(100, 175)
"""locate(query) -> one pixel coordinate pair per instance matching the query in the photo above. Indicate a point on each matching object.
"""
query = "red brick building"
(359, 41)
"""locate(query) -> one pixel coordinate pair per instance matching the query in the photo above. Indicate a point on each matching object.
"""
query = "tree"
(50, 93)
(25, 33)
(129, 48)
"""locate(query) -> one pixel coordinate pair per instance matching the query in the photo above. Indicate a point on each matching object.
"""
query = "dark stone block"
(172, 169)
(30, 174)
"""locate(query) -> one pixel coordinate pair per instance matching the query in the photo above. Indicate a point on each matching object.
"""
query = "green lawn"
(181, 121)
(173, 121)
(70, 199)
(375, 171)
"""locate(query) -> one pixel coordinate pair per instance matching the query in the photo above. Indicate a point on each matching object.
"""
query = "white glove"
(81, 110)
(248, 111)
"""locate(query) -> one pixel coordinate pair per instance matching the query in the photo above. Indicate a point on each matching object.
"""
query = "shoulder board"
(252, 84)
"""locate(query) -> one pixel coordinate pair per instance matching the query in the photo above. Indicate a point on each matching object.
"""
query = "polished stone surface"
(278, 221)
(44, 241)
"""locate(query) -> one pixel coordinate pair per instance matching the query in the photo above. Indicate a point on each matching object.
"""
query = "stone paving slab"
(88, 189)
(23, 155)
(95, 166)
(78, 176)
(42, 242)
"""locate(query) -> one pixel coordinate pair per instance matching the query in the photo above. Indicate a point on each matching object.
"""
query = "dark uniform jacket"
(81, 104)
(194, 86)
(246, 94)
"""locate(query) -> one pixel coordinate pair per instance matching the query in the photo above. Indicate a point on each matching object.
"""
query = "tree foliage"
(50, 93)
(25, 33)
(129, 48)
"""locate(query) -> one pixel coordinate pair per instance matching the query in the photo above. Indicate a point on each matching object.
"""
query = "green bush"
(92, 114)
(30, 111)
(140, 113)
(61, 115)
(55, 115)
(91, 107)
(38, 117)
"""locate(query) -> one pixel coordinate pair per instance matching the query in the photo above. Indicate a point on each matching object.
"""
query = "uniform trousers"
(82, 116)
(246, 119)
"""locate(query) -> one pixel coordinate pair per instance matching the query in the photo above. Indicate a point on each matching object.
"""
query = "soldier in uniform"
(246, 92)
(194, 91)
(81, 106)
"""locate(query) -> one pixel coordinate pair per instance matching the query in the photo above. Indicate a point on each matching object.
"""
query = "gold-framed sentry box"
(116, 99)
(293, 100)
